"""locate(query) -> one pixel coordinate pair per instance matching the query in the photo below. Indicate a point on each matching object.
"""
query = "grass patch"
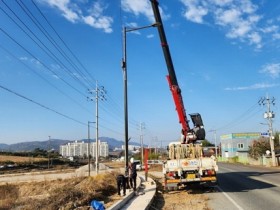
(75, 193)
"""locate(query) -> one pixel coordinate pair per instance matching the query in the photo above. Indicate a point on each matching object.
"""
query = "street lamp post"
(124, 67)
(49, 152)
(89, 147)
(215, 139)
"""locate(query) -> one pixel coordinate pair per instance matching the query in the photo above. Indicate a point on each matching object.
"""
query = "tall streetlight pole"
(89, 147)
(142, 126)
(124, 67)
(215, 139)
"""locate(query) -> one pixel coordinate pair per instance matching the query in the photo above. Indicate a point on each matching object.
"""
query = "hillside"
(55, 143)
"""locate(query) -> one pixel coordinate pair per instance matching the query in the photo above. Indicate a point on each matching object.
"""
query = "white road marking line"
(228, 197)
(227, 169)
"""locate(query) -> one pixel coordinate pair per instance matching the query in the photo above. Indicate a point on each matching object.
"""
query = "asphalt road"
(246, 188)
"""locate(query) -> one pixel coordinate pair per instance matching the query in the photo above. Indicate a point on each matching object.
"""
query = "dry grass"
(8, 194)
(115, 165)
(18, 159)
(60, 194)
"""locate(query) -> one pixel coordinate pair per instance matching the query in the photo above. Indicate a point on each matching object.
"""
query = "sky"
(53, 53)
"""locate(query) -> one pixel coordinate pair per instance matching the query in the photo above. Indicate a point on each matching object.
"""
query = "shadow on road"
(247, 180)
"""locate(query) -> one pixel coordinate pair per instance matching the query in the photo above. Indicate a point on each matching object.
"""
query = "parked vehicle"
(187, 165)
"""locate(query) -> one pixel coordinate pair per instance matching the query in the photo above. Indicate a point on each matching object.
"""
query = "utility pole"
(49, 152)
(88, 150)
(269, 115)
(142, 126)
(99, 94)
(156, 139)
(89, 147)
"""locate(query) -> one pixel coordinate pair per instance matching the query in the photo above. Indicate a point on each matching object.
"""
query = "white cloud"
(253, 87)
(273, 70)
(256, 39)
(93, 17)
(270, 29)
(65, 7)
(150, 36)
(276, 36)
(138, 7)
(23, 58)
(239, 19)
(225, 17)
(194, 11)
(141, 7)
(222, 2)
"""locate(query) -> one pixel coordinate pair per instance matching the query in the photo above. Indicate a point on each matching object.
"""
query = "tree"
(276, 139)
(259, 147)
(206, 143)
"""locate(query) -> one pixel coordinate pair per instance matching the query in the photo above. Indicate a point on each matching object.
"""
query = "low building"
(237, 144)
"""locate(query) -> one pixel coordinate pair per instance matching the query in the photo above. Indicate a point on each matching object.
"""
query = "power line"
(41, 105)
(71, 52)
(42, 46)
(52, 41)
(240, 118)
(47, 81)
(9, 36)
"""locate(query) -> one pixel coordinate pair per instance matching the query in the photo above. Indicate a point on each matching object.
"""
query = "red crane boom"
(189, 135)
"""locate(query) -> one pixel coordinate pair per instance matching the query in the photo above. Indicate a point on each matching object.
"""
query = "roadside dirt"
(190, 198)
(187, 199)
(78, 192)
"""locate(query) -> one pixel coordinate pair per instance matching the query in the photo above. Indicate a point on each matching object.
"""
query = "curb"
(129, 195)
(153, 190)
(150, 193)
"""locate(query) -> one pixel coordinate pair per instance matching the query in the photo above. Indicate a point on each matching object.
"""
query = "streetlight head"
(155, 24)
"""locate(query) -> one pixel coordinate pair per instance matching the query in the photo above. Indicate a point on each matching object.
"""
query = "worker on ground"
(121, 183)
(126, 177)
(132, 174)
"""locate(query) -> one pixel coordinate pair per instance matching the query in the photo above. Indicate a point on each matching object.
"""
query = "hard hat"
(132, 160)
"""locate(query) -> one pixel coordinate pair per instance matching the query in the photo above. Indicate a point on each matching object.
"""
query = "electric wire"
(41, 105)
(53, 42)
(43, 47)
(240, 118)
(43, 78)
(63, 42)
(9, 36)
(110, 103)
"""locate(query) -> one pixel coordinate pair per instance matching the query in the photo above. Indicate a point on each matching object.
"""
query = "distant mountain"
(56, 143)
(4, 147)
(30, 146)
(113, 143)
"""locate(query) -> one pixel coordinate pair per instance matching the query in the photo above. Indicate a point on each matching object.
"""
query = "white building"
(81, 149)
(131, 147)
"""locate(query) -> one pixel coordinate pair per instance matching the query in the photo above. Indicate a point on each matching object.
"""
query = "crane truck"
(186, 161)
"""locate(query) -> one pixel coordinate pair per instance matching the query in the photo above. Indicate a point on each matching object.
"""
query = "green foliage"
(153, 156)
(206, 143)
(39, 153)
(259, 147)
(276, 139)
(233, 159)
